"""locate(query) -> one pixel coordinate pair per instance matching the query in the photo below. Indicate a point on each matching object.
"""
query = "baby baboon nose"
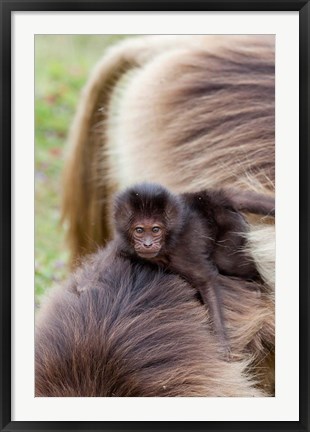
(147, 245)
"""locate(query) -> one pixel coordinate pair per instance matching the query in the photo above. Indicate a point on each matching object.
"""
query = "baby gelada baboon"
(196, 235)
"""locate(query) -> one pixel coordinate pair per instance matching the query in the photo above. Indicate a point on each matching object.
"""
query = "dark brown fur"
(121, 329)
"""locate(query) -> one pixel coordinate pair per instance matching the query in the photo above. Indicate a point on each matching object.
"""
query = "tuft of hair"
(261, 244)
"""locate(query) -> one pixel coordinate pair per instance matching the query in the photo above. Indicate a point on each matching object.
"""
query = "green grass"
(62, 65)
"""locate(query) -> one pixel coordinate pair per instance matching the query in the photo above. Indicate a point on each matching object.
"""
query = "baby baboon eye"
(139, 230)
(155, 229)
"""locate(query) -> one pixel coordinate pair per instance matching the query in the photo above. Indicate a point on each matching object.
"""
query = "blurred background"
(62, 65)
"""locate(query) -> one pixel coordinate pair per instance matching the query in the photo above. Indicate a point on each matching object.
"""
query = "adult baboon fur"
(189, 112)
(122, 329)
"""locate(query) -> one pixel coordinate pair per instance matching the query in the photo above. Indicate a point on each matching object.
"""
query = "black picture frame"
(7, 7)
